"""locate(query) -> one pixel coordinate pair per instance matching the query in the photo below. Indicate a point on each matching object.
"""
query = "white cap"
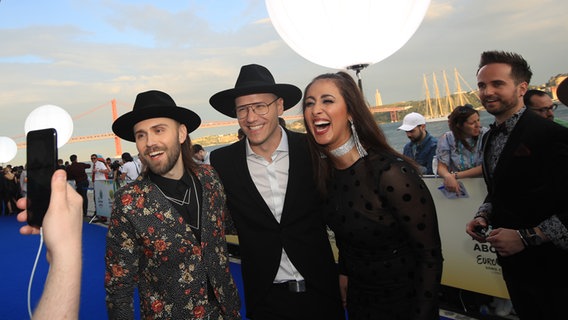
(412, 120)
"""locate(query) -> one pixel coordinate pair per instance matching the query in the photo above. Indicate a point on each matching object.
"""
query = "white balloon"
(343, 33)
(50, 116)
(8, 149)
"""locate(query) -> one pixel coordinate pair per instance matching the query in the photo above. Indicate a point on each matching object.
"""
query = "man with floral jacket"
(166, 233)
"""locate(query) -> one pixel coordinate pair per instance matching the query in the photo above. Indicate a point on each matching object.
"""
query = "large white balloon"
(343, 33)
(50, 116)
(8, 149)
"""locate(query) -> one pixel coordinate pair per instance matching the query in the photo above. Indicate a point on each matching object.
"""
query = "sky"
(81, 54)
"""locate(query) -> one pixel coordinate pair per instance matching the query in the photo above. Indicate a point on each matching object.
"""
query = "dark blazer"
(529, 185)
(301, 231)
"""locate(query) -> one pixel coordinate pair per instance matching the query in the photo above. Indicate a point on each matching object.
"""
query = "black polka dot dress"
(386, 229)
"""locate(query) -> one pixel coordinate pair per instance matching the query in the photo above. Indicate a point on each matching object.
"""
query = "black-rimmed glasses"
(259, 108)
(546, 109)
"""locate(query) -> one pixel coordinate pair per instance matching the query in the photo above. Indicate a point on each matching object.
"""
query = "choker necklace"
(344, 148)
(186, 200)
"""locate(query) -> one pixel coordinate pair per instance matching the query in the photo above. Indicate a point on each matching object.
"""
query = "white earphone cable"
(33, 271)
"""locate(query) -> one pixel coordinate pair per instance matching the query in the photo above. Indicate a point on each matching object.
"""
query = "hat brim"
(124, 125)
(407, 127)
(224, 101)
(562, 92)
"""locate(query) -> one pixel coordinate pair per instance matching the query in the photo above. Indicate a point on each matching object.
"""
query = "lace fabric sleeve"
(405, 193)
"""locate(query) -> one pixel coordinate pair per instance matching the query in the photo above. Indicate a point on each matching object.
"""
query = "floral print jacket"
(151, 247)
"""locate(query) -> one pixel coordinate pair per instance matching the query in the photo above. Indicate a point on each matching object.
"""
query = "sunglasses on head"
(465, 108)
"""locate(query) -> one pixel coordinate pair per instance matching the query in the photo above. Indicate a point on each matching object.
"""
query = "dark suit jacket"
(301, 231)
(530, 184)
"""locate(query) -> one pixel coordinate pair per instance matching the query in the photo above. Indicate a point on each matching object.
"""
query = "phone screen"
(41, 163)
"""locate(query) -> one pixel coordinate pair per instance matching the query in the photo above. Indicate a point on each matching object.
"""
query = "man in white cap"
(422, 145)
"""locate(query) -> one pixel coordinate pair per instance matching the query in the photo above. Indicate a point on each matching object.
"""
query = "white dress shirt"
(271, 179)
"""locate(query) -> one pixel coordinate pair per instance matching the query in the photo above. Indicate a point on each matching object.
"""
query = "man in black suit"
(526, 172)
(287, 262)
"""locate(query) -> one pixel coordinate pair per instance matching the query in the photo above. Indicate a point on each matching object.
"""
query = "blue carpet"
(19, 255)
(20, 252)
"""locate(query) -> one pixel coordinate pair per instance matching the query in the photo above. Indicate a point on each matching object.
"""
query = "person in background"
(11, 190)
(100, 169)
(110, 174)
(62, 233)
(24, 181)
(240, 134)
(459, 151)
(60, 164)
(525, 170)
(129, 170)
(166, 235)
(76, 171)
(115, 168)
(422, 145)
(287, 262)
(200, 155)
(382, 214)
(562, 92)
(541, 103)
(99, 173)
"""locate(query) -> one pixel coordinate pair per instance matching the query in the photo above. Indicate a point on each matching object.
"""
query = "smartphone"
(41, 154)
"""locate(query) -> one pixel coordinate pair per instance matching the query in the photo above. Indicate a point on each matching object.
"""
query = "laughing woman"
(380, 210)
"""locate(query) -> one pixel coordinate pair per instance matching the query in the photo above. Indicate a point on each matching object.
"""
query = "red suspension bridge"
(212, 124)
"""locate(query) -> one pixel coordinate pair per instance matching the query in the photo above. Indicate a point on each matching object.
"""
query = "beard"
(172, 156)
(504, 104)
(418, 138)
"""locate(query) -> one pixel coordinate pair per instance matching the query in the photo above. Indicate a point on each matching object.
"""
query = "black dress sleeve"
(403, 191)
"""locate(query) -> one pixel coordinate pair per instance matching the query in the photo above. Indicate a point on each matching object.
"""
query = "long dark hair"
(187, 155)
(456, 119)
(370, 134)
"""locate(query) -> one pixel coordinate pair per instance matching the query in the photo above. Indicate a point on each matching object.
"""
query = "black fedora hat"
(153, 104)
(562, 92)
(254, 79)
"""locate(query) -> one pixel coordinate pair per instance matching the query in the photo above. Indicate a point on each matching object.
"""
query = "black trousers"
(282, 304)
(537, 281)
(82, 187)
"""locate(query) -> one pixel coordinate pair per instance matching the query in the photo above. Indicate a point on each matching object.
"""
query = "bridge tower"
(117, 145)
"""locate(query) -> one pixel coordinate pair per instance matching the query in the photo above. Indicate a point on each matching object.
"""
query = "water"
(397, 139)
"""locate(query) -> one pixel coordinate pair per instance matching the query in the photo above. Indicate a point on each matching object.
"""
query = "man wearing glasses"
(287, 263)
(541, 103)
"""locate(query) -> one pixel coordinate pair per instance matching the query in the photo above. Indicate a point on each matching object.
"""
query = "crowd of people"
(12, 188)
(14, 184)
(284, 189)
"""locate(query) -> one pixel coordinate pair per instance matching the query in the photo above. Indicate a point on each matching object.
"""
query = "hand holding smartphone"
(41, 163)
